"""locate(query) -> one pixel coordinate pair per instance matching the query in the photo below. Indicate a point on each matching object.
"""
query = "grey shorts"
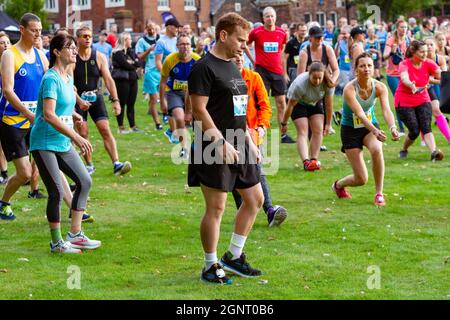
(175, 99)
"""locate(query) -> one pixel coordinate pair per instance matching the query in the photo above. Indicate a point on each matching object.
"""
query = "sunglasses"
(86, 36)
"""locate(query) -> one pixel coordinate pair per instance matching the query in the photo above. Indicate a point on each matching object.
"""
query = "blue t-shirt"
(166, 46)
(43, 135)
(104, 48)
(344, 58)
(382, 36)
(141, 47)
(328, 37)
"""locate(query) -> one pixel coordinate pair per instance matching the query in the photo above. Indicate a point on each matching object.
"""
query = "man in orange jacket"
(259, 113)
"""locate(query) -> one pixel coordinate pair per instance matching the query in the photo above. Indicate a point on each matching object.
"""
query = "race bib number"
(357, 123)
(271, 47)
(30, 105)
(67, 120)
(240, 105)
(347, 59)
(296, 59)
(180, 85)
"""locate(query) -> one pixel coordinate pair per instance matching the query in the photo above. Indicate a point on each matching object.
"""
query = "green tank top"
(350, 119)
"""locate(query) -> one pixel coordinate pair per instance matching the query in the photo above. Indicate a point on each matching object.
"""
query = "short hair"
(182, 35)
(414, 47)
(229, 22)
(362, 56)
(267, 9)
(27, 18)
(301, 25)
(62, 30)
(83, 28)
(58, 42)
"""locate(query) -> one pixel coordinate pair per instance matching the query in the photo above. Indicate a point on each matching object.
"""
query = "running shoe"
(158, 126)
(86, 217)
(379, 200)
(286, 139)
(314, 165)
(90, 169)
(6, 212)
(276, 215)
(123, 131)
(401, 133)
(174, 139)
(403, 154)
(3, 180)
(136, 130)
(168, 134)
(437, 155)
(323, 148)
(165, 118)
(80, 241)
(239, 266)
(215, 275)
(184, 154)
(36, 194)
(63, 247)
(306, 164)
(122, 168)
(342, 193)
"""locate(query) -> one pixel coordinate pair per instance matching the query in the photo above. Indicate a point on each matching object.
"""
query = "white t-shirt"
(303, 91)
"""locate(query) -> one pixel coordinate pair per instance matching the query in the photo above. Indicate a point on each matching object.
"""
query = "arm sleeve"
(120, 61)
(139, 47)
(402, 67)
(295, 90)
(50, 88)
(264, 113)
(159, 48)
(200, 80)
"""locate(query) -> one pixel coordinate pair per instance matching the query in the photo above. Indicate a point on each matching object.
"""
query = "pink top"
(421, 76)
(392, 69)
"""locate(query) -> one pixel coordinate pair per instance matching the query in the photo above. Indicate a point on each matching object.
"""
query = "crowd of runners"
(219, 85)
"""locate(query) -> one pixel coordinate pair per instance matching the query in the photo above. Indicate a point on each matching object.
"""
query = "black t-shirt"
(293, 50)
(222, 82)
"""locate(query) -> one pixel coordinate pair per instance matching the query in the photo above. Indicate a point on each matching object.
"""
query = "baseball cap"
(172, 22)
(315, 32)
(356, 30)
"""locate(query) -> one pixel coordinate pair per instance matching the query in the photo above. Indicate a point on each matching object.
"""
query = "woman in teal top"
(359, 127)
(51, 147)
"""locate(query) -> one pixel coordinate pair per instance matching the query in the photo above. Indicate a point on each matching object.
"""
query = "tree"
(391, 9)
(16, 9)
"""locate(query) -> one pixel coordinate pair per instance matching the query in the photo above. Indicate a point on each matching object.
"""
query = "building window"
(114, 3)
(308, 17)
(81, 4)
(333, 17)
(51, 5)
(446, 9)
(189, 5)
(340, 3)
(163, 5)
(237, 7)
(320, 17)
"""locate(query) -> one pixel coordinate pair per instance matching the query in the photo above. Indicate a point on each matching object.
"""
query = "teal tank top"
(350, 119)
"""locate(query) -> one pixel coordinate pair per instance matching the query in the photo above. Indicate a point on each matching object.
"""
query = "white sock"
(210, 259)
(236, 245)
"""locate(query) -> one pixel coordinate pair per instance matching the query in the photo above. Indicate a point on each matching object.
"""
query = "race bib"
(271, 47)
(296, 59)
(240, 105)
(30, 105)
(67, 120)
(347, 59)
(180, 85)
(357, 123)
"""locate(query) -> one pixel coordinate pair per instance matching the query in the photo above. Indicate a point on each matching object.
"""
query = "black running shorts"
(273, 82)
(15, 141)
(353, 138)
(97, 110)
(305, 111)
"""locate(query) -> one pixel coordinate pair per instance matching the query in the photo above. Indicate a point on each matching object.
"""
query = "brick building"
(129, 15)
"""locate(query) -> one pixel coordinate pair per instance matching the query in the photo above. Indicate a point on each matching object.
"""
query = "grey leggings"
(50, 164)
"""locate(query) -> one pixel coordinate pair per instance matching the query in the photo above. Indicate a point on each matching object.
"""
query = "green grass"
(149, 226)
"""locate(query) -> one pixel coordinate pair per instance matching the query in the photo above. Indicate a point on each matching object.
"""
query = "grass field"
(149, 225)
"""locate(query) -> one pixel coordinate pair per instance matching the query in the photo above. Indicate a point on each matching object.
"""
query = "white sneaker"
(80, 241)
(63, 247)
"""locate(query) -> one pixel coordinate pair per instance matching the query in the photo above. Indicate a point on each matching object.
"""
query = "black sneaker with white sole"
(215, 275)
(239, 266)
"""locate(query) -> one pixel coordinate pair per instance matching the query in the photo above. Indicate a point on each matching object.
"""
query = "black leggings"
(416, 119)
(127, 92)
(49, 164)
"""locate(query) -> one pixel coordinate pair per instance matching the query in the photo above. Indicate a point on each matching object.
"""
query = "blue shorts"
(151, 81)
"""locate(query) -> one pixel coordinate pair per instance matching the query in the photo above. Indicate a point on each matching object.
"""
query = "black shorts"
(302, 110)
(97, 110)
(432, 94)
(223, 177)
(15, 141)
(273, 82)
(353, 138)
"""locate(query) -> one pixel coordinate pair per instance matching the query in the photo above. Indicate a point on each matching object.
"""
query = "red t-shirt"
(112, 40)
(268, 48)
(421, 76)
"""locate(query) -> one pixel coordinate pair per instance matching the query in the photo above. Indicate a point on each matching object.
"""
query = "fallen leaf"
(26, 209)
(270, 238)
(3, 271)
(306, 287)
(24, 259)
(326, 254)
(263, 281)
(327, 210)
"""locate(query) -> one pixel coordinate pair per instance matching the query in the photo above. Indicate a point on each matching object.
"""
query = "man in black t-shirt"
(292, 51)
(223, 155)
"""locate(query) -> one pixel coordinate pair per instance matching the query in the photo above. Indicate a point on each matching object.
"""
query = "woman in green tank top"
(360, 128)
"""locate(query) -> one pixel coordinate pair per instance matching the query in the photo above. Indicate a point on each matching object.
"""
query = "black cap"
(315, 32)
(357, 30)
(172, 22)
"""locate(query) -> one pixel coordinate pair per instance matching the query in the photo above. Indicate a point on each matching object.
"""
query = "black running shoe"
(286, 139)
(239, 266)
(36, 194)
(403, 154)
(437, 155)
(215, 275)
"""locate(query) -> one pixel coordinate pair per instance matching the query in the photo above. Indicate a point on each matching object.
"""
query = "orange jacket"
(259, 111)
